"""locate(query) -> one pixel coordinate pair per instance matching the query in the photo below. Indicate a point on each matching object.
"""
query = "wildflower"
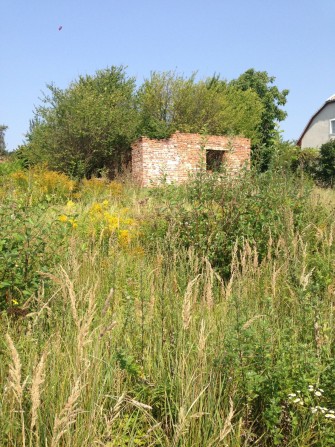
(330, 416)
(297, 400)
(70, 204)
(314, 410)
(15, 302)
(291, 395)
(124, 237)
(73, 223)
(105, 203)
(63, 218)
(321, 390)
(318, 393)
(310, 388)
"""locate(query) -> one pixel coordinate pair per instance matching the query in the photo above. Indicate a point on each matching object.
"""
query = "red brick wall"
(173, 159)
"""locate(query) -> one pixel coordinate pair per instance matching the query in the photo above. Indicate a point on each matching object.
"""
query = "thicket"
(87, 128)
(194, 315)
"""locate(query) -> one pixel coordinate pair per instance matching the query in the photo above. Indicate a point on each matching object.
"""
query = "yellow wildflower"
(73, 222)
(124, 237)
(70, 204)
(63, 218)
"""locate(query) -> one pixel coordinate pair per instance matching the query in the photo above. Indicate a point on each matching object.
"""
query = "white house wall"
(318, 131)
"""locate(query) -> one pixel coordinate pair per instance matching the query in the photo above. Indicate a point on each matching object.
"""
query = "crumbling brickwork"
(172, 160)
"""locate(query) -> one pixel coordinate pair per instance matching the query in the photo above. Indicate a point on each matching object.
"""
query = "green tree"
(2, 140)
(87, 127)
(272, 99)
(170, 102)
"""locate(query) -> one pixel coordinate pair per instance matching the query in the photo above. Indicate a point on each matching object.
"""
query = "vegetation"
(194, 315)
(87, 128)
(2, 140)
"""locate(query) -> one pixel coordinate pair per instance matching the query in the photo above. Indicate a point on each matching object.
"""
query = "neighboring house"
(321, 127)
(172, 160)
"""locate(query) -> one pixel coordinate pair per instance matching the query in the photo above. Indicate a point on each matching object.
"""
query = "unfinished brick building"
(173, 159)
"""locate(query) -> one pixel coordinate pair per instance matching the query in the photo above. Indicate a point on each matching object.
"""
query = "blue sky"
(290, 39)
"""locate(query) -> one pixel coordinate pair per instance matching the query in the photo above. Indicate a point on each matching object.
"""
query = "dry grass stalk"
(234, 259)
(84, 325)
(255, 261)
(107, 302)
(208, 291)
(37, 381)
(15, 381)
(227, 427)
(202, 339)
(72, 296)
(67, 416)
(115, 412)
(184, 418)
(229, 286)
(187, 304)
(15, 371)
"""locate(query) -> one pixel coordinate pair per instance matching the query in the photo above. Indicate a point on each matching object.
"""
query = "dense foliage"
(194, 315)
(88, 127)
(327, 163)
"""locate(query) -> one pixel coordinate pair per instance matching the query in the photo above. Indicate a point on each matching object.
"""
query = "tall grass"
(161, 347)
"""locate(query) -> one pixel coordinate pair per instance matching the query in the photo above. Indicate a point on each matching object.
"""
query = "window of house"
(215, 160)
(332, 127)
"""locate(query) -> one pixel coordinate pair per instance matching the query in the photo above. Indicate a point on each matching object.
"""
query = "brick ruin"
(172, 160)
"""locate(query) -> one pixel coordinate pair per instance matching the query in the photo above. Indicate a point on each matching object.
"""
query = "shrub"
(327, 163)
(29, 243)
(217, 213)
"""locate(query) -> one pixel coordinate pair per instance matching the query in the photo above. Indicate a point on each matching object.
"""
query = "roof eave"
(329, 101)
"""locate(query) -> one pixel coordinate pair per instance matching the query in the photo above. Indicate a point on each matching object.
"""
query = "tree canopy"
(90, 125)
(86, 127)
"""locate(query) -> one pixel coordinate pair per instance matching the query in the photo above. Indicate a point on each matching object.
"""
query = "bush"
(217, 213)
(327, 163)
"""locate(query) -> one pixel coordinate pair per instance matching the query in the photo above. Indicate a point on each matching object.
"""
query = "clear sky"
(290, 39)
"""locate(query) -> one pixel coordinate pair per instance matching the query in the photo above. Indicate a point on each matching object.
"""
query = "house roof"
(329, 100)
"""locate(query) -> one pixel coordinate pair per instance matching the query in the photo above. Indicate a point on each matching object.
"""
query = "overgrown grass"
(218, 332)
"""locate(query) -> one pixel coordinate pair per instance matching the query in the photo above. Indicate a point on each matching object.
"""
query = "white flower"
(292, 395)
(314, 410)
(310, 388)
(321, 390)
(317, 393)
(331, 411)
(296, 400)
(330, 416)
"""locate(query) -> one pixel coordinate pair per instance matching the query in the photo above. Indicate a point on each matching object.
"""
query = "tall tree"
(272, 98)
(2, 139)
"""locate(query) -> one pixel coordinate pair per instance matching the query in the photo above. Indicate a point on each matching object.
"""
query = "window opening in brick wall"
(214, 160)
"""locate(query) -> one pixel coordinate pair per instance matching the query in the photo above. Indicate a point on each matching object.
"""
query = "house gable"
(318, 129)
